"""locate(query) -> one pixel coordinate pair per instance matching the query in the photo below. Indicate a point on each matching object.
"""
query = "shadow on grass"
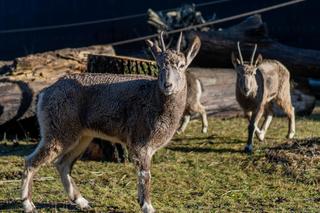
(184, 137)
(11, 149)
(16, 205)
(10, 205)
(212, 139)
(227, 140)
(313, 117)
(205, 150)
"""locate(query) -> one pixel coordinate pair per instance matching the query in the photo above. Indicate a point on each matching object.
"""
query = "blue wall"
(295, 25)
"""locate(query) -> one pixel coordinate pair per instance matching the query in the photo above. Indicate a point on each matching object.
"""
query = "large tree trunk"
(219, 84)
(216, 48)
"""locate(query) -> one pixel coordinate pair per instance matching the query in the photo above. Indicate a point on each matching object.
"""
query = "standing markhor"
(139, 111)
(261, 84)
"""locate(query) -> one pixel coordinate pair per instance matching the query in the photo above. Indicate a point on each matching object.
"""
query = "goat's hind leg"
(284, 101)
(64, 166)
(289, 110)
(45, 152)
(185, 122)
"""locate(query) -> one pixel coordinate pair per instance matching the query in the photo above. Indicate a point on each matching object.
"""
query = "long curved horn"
(253, 53)
(162, 41)
(239, 51)
(179, 42)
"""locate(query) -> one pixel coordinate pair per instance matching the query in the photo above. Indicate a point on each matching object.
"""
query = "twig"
(236, 190)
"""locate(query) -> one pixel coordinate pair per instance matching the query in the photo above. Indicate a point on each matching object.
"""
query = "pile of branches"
(184, 16)
(299, 159)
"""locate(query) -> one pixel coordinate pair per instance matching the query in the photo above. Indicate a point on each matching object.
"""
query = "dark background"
(296, 25)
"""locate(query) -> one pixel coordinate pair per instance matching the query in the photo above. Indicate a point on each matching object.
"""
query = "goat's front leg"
(253, 126)
(248, 115)
(204, 120)
(266, 123)
(143, 164)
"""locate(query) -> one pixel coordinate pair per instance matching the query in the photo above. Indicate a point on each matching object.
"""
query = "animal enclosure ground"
(195, 173)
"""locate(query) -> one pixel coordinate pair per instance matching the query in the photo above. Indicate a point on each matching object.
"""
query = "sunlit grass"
(195, 173)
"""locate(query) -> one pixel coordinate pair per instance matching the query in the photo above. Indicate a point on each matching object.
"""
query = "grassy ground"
(195, 173)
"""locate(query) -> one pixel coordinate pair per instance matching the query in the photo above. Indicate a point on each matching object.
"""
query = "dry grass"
(195, 173)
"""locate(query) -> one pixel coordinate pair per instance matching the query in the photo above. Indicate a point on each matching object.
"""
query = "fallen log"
(219, 84)
(22, 80)
(217, 45)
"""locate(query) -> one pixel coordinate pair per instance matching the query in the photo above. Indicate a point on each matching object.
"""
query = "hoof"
(82, 203)
(261, 135)
(29, 207)
(248, 149)
(147, 208)
(290, 135)
(205, 130)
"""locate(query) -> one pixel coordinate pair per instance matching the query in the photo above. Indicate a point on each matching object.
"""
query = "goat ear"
(235, 61)
(193, 50)
(258, 60)
(155, 49)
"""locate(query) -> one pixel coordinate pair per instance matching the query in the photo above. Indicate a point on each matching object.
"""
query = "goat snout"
(167, 85)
